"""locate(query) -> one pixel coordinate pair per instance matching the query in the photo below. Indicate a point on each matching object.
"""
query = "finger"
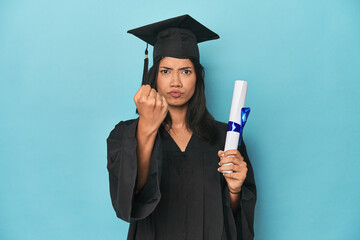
(143, 93)
(239, 176)
(234, 167)
(220, 153)
(234, 160)
(165, 103)
(229, 159)
(138, 93)
(152, 98)
(152, 93)
(233, 175)
(232, 152)
(230, 167)
(145, 90)
(159, 100)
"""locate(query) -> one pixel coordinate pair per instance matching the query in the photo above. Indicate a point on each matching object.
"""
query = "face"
(176, 81)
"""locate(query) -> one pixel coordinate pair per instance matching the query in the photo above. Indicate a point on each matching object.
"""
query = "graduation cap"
(175, 37)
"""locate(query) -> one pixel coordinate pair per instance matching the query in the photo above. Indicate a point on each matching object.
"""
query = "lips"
(175, 94)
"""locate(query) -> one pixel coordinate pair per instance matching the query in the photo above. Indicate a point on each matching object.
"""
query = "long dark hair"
(198, 119)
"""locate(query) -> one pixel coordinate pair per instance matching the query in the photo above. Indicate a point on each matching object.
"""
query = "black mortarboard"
(175, 37)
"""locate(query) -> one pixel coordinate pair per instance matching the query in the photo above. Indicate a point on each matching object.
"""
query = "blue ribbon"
(235, 127)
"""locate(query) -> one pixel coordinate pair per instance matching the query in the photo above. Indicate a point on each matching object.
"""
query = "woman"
(164, 167)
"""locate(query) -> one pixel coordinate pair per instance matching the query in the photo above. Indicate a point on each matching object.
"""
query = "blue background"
(68, 73)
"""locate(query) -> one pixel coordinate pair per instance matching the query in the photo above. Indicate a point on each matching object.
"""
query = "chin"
(177, 103)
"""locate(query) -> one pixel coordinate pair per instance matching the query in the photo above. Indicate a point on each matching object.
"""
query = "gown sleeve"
(122, 168)
(244, 216)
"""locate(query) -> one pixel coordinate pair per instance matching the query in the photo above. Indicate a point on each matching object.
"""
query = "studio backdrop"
(69, 71)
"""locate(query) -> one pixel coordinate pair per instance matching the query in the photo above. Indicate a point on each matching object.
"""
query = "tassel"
(146, 64)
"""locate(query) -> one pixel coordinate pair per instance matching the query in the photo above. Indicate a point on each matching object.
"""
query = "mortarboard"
(175, 37)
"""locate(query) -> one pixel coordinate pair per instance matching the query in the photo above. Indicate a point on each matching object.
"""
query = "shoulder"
(220, 125)
(126, 123)
(221, 129)
(125, 129)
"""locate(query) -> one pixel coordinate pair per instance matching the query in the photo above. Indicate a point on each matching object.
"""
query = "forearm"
(145, 143)
(235, 201)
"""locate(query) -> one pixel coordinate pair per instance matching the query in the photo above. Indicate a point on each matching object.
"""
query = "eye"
(187, 72)
(164, 71)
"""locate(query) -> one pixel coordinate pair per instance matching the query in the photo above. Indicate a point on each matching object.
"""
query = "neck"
(178, 115)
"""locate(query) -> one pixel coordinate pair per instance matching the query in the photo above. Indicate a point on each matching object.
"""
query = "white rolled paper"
(238, 102)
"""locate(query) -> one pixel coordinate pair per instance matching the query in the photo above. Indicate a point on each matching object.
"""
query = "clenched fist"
(152, 108)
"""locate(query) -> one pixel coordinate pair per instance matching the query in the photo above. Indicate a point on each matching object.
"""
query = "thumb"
(220, 153)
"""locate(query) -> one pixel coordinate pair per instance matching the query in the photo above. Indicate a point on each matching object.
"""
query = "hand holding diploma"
(235, 173)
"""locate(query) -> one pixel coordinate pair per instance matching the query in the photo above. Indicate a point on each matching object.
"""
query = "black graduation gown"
(185, 197)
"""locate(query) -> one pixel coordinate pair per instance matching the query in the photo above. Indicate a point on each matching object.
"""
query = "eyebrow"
(183, 68)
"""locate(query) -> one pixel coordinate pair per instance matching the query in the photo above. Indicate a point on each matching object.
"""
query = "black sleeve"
(244, 217)
(122, 168)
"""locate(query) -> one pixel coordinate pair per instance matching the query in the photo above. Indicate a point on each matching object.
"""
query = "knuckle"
(158, 104)
(142, 99)
(147, 103)
(226, 160)
(152, 101)
(152, 97)
(230, 166)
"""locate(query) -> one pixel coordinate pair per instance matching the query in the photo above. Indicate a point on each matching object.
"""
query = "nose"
(175, 80)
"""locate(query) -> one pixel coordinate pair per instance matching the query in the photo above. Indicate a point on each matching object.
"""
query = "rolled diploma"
(238, 102)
